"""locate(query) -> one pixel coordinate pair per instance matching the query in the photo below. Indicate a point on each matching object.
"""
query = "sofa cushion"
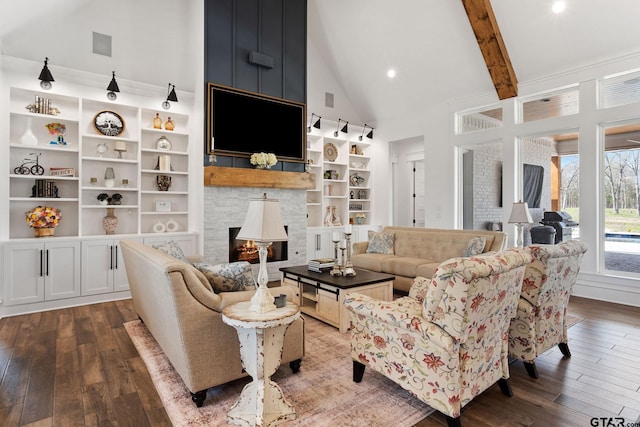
(380, 243)
(371, 262)
(172, 249)
(228, 277)
(474, 246)
(402, 265)
(427, 269)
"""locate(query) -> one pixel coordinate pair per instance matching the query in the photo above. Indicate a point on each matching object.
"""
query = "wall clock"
(108, 123)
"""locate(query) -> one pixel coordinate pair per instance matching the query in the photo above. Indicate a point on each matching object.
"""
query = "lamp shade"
(520, 213)
(263, 222)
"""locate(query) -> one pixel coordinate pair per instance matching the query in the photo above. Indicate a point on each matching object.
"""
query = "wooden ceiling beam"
(485, 27)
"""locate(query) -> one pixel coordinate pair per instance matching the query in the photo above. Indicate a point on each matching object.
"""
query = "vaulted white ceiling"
(429, 42)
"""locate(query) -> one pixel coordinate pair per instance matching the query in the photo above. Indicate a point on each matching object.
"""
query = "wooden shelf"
(242, 177)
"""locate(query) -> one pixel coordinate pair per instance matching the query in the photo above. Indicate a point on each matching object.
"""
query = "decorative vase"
(263, 167)
(157, 122)
(328, 217)
(28, 138)
(109, 177)
(169, 125)
(44, 231)
(163, 182)
(335, 219)
(110, 222)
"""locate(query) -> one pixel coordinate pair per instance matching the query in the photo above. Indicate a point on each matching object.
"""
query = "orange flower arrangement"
(43, 217)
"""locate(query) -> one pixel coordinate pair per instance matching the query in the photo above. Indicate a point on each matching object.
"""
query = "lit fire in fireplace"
(246, 250)
(249, 252)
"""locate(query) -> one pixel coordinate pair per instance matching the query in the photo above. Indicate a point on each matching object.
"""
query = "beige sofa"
(419, 251)
(180, 309)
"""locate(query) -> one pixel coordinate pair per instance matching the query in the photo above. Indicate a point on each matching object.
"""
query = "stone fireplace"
(225, 207)
(246, 250)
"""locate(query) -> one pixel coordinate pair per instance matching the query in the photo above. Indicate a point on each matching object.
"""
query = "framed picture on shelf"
(163, 206)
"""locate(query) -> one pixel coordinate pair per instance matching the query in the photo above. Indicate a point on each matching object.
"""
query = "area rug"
(572, 320)
(322, 392)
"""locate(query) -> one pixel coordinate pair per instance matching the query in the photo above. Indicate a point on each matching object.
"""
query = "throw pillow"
(380, 243)
(172, 248)
(475, 246)
(228, 277)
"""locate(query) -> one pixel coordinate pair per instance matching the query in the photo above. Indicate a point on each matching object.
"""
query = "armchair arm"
(403, 313)
(419, 288)
(534, 277)
(360, 247)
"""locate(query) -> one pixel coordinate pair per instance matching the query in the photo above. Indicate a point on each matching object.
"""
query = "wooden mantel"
(243, 177)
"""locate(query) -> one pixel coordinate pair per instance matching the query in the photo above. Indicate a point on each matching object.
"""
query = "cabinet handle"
(116, 257)
(318, 242)
(47, 260)
(111, 256)
(41, 263)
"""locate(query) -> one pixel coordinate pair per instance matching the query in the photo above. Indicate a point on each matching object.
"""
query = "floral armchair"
(446, 342)
(540, 322)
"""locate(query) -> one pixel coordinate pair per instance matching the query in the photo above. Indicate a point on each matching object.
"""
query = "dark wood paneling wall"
(277, 28)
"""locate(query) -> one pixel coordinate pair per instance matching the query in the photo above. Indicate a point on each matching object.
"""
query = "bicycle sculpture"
(35, 168)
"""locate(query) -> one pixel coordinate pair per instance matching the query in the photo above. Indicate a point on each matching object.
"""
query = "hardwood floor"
(77, 366)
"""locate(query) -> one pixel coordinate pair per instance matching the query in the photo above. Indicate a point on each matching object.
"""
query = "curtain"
(533, 177)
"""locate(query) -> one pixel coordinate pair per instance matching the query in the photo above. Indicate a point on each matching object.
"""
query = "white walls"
(150, 43)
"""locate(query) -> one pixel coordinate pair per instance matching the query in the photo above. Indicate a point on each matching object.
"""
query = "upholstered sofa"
(417, 252)
(179, 307)
(446, 342)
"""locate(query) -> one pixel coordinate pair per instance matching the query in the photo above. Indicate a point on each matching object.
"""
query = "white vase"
(28, 138)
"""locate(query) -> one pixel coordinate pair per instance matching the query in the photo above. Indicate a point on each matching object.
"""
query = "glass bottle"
(157, 122)
(109, 177)
(169, 125)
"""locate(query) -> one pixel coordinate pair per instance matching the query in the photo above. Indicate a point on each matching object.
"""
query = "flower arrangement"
(43, 217)
(56, 128)
(263, 160)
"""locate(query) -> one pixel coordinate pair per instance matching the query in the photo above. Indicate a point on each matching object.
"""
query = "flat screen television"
(240, 123)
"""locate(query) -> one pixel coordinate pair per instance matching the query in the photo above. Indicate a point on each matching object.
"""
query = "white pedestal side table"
(261, 338)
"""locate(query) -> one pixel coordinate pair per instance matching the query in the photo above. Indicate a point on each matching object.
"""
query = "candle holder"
(335, 271)
(348, 267)
(342, 267)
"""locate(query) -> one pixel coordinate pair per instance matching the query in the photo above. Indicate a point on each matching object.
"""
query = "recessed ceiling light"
(391, 73)
(558, 7)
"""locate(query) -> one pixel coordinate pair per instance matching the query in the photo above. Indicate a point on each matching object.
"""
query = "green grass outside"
(627, 221)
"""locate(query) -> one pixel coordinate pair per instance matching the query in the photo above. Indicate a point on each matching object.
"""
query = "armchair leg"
(358, 371)
(531, 369)
(564, 348)
(295, 365)
(453, 422)
(198, 397)
(505, 387)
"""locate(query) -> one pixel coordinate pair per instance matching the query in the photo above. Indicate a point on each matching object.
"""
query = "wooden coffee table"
(321, 295)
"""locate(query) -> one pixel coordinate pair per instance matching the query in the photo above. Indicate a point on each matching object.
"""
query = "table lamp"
(520, 215)
(263, 225)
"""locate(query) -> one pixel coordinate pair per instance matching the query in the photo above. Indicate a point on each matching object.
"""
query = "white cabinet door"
(120, 280)
(36, 272)
(319, 244)
(23, 273)
(97, 266)
(61, 270)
